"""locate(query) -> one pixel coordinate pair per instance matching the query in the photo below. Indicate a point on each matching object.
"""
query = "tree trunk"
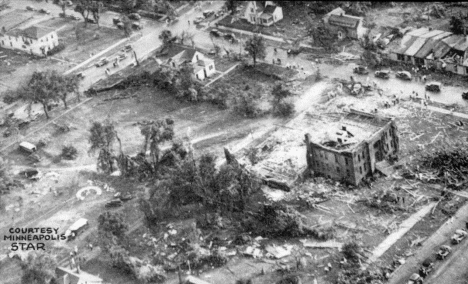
(254, 59)
(136, 58)
(64, 100)
(64, 7)
(44, 106)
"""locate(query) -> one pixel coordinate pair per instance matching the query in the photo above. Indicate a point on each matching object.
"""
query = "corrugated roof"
(441, 49)
(432, 33)
(344, 21)
(405, 44)
(418, 32)
(453, 40)
(462, 44)
(416, 46)
(429, 46)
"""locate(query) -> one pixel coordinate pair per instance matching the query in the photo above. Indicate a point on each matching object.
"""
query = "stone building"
(352, 148)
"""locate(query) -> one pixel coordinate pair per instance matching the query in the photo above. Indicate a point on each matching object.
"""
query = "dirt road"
(429, 248)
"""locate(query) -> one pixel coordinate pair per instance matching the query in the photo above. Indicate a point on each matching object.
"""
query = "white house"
(257, 13)
(202, 67)
(344, 25)
(34, 40)
(76, 276)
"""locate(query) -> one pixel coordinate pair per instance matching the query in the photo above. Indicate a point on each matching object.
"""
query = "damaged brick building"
(353, 147)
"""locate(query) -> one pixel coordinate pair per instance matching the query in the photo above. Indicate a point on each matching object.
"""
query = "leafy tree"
(89, 7)
(42, 88)
(255, 46)
(112, 223)
(127, 28)
(103, 138)
(280, 107)
(62, 4)
(69, 152)
(456, 25)
(38, 268)
(184, 36)
(5, 178)
(231, 5)
(166, 37)
(154, 134)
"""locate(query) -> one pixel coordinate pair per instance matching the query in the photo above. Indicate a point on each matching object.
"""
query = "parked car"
(465, 95)
(122, 56)
(91, 21)
(115, 21)
(73, 17)
(114, 203)
(459, 236)
(136, 26)
(127, 48)
(62, 15)
(383, 74)
(198, 20)
(433, 86)
(77, 227)
(27, 147)
(229, 36)
(208, 13)
(134, 16)
(426, 267)
(44, 11)
(80, 75)
(404, 75)
(102, 62)
(415, 279)
(216, 33)
(361, 70)
(30, 8)
(120, 26)
(443, 252)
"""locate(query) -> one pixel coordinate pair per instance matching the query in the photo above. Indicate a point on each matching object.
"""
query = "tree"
(154, 134)
(231, 6)
(79, 34)
(184, 35)
(456, 25)
(103, 138)
(62, 4)
(280, 106)
(38, 268)
(112, 223)
(127, 28)
(87, 7)
(255, 46)
(166, 37)
(42, 88)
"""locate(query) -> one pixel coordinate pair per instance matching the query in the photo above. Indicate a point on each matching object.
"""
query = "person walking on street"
(189, 22)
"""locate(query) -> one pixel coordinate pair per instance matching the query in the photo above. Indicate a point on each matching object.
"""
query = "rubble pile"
(278, 220)
(448, 166)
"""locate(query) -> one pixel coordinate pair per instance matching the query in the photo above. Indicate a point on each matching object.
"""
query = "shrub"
(283, 109)
(10, 98)
(247, 106)
(56, 49)
(69, 153)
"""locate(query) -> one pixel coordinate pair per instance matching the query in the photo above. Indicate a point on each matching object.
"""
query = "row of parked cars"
(135, 25)
(403, 75)
(428, 265)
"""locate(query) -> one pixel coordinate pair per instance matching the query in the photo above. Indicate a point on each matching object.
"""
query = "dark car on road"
(134, 16)
(443, 252)
(426, 267)
(127, 48)
(216, 33)
(383, 74)
(91, 21)
(459, 236)
(102, 62)
(208, 13)
(403, 75)
(415, 279)
(360, 70)
(434, 86)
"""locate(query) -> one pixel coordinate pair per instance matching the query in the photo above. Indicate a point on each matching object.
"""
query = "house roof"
(416, 46)
(266, 16)
(344, 21)
(36, 32)
(269, 9)
(429, 46)
(453, 40)
(462, 44)
(405, 43)
(75, 277)
(441, 49)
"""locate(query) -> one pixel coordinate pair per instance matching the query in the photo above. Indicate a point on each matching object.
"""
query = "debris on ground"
(327, 244)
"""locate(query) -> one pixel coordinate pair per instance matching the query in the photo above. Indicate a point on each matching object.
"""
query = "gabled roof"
(462, 44)
(430, 45)
(344, 21)
(35, 32)
(269, 9)
(405, 43)
(416, 46)
(185, 55)
(75, 277)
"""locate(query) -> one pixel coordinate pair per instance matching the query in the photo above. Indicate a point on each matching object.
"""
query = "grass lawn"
(93, 40)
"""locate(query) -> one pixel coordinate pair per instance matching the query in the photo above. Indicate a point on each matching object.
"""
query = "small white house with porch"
(266, 15)
(202, 67)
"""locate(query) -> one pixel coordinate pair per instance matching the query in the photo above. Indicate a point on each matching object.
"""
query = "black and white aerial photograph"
(233, 142)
